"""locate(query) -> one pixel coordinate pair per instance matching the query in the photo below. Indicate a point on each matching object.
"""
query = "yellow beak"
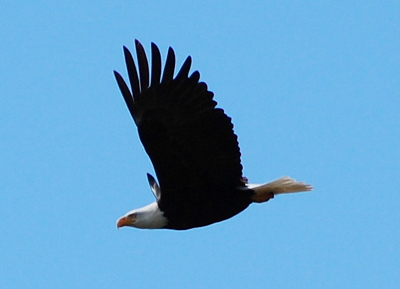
(125, 221)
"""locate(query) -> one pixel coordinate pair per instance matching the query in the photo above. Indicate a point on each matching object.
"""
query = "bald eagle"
(192, 146)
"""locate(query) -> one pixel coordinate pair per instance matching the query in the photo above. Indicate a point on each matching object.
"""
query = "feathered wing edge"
(140, 85)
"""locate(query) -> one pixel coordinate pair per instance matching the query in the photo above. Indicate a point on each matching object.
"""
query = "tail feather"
(283, 185)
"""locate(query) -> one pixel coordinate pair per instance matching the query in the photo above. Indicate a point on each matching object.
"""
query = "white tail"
(283, 185)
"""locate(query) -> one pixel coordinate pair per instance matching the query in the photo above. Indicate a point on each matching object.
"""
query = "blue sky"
(313, 91)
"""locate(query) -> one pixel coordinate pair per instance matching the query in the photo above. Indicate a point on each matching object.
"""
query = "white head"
(148, 217)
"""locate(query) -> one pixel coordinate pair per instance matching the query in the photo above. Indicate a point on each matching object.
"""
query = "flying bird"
(192, 145)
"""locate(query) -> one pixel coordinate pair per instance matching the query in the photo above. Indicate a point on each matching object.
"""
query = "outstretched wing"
(190, 142)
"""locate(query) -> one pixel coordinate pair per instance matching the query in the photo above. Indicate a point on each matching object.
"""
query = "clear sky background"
(313, 90)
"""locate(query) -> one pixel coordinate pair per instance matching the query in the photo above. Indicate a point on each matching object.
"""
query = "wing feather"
(156, 65)
(169, 66)
(143, 66)
(125, 93)
(132, 72)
